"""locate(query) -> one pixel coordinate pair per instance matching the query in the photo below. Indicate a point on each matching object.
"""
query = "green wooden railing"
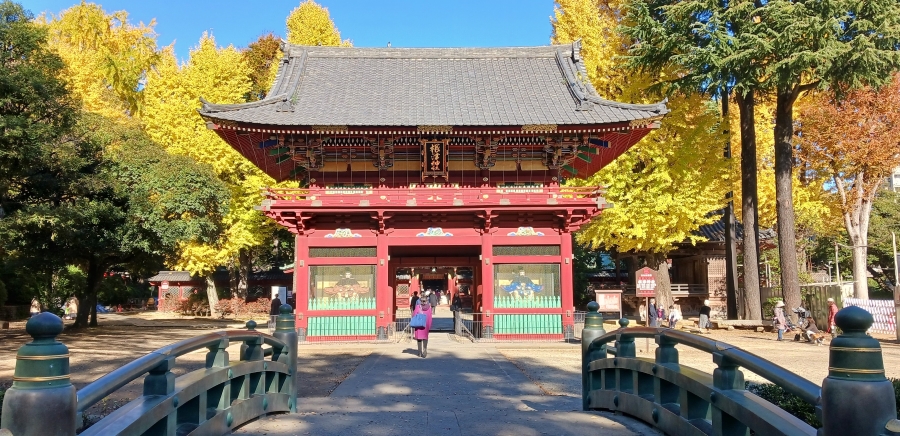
(364, 303)
(209, 401)
(538, 302)
(341, 326)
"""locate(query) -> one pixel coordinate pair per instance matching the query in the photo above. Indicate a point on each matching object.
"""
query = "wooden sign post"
(646, 287)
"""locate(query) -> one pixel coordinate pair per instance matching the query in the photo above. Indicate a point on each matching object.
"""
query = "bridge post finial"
(42, 399)
(285, 331)
(593, 329)
(856, 371)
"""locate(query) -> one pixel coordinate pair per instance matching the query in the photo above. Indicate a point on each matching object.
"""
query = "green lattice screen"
(342, 252)
(526, 250)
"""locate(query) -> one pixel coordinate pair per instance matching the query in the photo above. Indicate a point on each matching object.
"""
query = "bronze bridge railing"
(209, 401)
(855, 398)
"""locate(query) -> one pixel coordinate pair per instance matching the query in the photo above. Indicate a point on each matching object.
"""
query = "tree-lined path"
(460, 389)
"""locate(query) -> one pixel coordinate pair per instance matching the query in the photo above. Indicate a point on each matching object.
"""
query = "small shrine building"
(432, 168)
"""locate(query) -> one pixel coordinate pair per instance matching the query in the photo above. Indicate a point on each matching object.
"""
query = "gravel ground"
(557, 370)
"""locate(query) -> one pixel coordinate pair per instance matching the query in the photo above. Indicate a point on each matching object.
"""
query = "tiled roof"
(171, 276)
(715, 232)
(341, 86)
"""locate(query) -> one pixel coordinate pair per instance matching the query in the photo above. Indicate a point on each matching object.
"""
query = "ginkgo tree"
(172, 97)
(106, 56)
(310, 24)
(671, 182)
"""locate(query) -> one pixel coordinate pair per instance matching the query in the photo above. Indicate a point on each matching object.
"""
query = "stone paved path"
(460, 389)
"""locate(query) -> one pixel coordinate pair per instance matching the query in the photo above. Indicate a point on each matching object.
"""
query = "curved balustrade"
(212, 400)
(681, 400)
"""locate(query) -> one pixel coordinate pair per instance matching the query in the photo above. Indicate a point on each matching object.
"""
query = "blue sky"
(409, 23)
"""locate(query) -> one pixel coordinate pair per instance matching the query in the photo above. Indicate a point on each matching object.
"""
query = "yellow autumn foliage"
(310, 24)
(106, 57)
(671, 182)
(172, 99)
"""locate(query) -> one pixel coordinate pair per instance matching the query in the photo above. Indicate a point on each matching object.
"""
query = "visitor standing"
(35, 307)
(433, 300)
(832, 312)
(456, 307)
(642, 311)
(413, 301)
(653, 313)
(779, 322)
(705, 310)
(275, 309)
(421, 334)
(674, 316)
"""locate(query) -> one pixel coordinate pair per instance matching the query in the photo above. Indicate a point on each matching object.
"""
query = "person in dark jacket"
(276, 306)
(413, 301)
(653, 313)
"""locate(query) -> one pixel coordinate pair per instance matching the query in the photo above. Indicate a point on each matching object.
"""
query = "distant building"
(894, 180)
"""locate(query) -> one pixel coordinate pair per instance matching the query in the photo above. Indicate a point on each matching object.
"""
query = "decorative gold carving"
(645, 122)
(486, 153)
(384, 155)
(539, 128)
(308, 155)
(329, 128)
(558, 156)
(435, 129)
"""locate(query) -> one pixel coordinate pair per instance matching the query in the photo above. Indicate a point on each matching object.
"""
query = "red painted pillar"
(566, 277)
(487, 283)
(301, 284)
(384, 298)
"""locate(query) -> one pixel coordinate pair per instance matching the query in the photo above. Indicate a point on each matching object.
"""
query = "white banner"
(882, 310)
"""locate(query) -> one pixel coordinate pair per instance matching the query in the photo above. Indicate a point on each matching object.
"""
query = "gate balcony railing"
(431, 197)
(213, 400)
(855, 399)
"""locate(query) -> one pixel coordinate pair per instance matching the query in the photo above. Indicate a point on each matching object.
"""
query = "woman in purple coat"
(421, 335)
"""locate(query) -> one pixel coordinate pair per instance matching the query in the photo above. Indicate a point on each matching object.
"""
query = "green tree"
(885, 220)
(659, 196)
(705, 42)
(310, 24)
(782, 47)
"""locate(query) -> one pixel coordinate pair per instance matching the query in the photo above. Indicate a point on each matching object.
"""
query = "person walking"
(779, 322)
(275, 308)
(433, 300)
(421, 334)
(705, 311)
(832, 312)
(413, 301)
(653, 313)
(456, 307)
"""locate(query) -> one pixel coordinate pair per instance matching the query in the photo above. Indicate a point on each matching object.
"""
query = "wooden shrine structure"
(434, 168)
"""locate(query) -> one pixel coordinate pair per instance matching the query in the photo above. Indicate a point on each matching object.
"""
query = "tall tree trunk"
(857, 211)
(94, 275)
(212, 295)
(731, 274)
(749, 206)
(657, 262)
(784, 198)
(244, 264)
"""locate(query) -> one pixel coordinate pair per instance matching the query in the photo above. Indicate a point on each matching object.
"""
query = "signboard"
(646, 283)
(434, 158)
(610, 300)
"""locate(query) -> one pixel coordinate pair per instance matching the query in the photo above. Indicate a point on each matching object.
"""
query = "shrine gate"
(431, 167)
